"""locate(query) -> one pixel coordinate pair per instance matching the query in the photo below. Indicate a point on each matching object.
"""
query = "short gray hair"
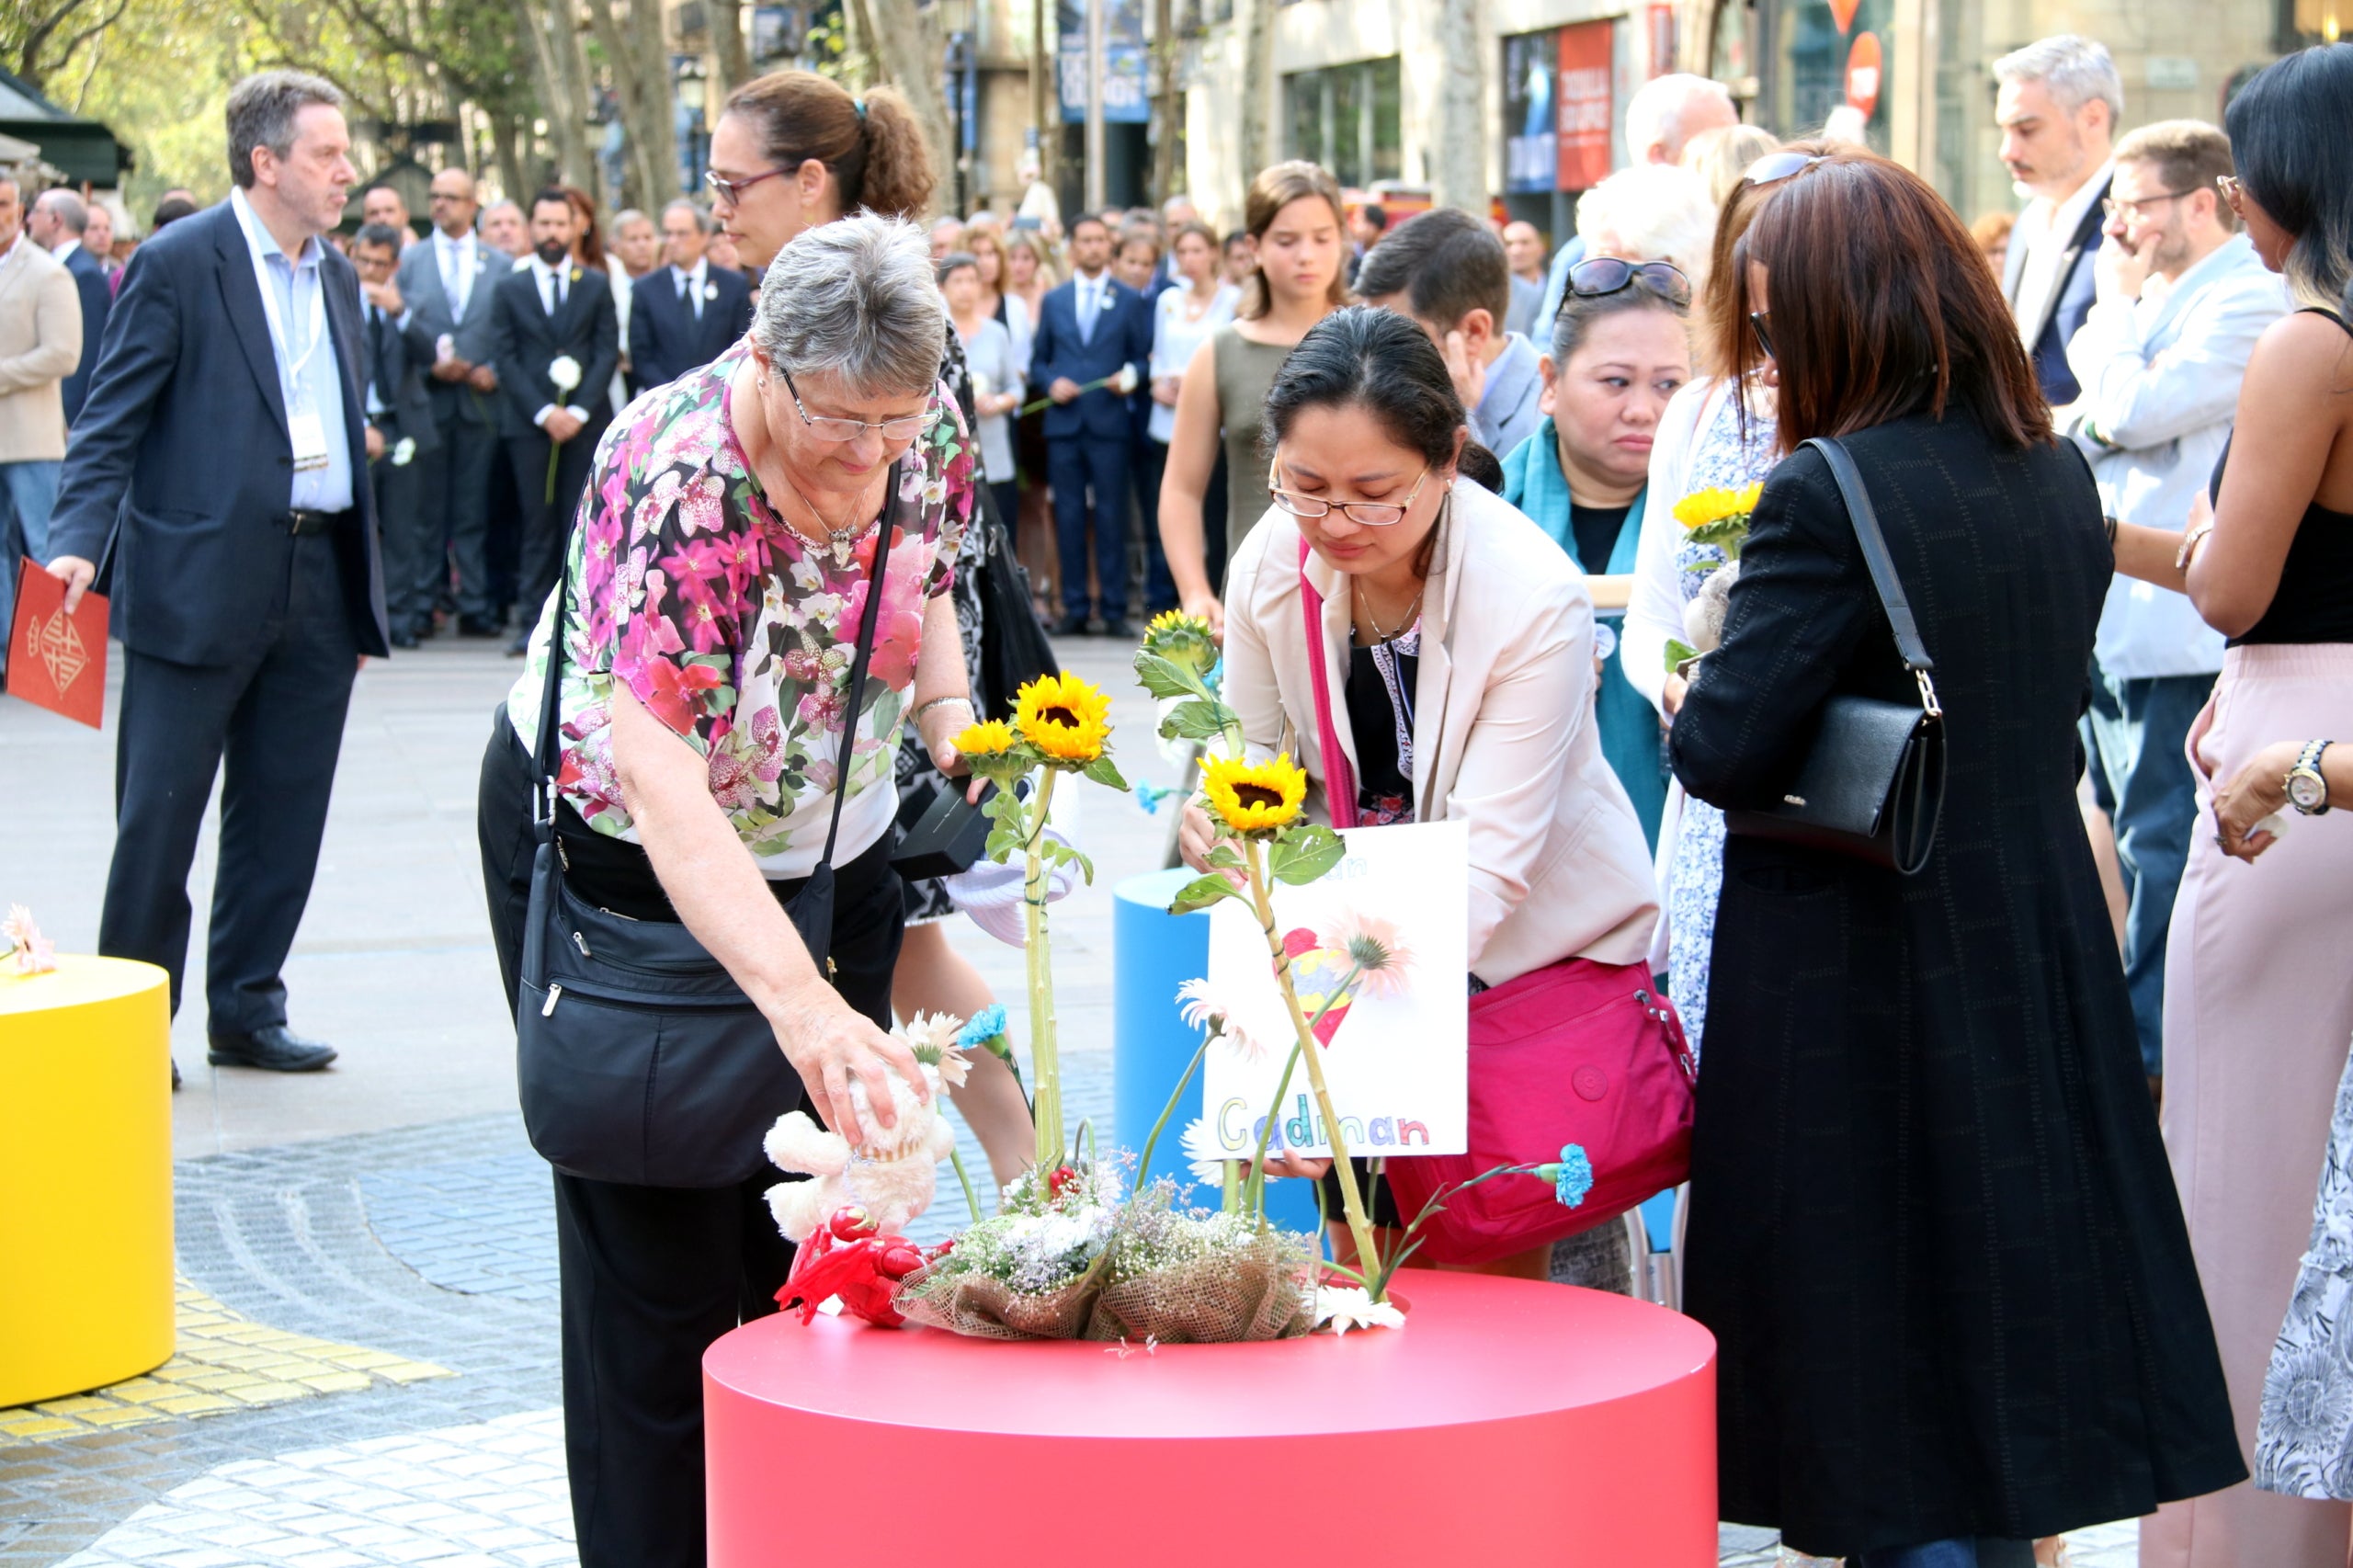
(261, 114)
(66, 208)
(854, 299)
(2075, 69)
(703, 224)
(1655, 113)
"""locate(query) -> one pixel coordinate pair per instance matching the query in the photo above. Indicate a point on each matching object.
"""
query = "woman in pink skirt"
(2259, 966)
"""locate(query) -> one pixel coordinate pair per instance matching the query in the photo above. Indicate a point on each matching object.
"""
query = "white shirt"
(458, 261)
(2161, 385)
(309, 379)
(67, 248)
(2042, 233)
(690, 284)
(1174, 336)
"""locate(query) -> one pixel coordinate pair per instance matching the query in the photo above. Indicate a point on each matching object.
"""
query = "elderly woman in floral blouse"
(717, 573)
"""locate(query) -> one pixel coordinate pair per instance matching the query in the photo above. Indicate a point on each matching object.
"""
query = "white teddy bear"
(891, 1176)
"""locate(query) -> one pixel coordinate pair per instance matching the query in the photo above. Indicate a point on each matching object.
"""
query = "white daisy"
(1347, 1307)
(1206, 1155)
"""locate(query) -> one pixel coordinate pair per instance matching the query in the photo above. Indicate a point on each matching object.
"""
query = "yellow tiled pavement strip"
(225, 1361)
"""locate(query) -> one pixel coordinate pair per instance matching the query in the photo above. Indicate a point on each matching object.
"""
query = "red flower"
(1061, 1180)
(670, 690)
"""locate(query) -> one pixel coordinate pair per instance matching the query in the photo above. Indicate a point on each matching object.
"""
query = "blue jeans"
(1984, 1551)
(28, 496)
(2133, 738)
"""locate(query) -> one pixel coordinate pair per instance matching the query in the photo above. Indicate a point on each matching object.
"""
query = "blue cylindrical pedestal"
(1154, 953)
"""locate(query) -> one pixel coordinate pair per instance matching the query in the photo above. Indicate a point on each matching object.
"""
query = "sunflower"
(1703, 507)
(1063, 717)
(1254, 797)
(991, 737)
(1182, 640)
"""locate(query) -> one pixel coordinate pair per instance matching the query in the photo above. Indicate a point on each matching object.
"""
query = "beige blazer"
(1504, 731)
(40, 342)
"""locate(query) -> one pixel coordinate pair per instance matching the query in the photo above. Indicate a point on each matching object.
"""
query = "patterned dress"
(735, 630)
(2303, 1442)
(1721, 459)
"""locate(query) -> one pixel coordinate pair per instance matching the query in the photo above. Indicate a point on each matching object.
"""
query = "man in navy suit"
(552, 313)
(1091, 327)
(224, 430)
(683, 315)
(57, 223)
(396, 351)
(2057, 104)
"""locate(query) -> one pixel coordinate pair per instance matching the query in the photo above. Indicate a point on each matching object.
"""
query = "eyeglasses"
(1608, 274)
(1777, 166)
(828, 427)
(1371, 514)
(733, 190)
(1757, 320)
(2130, 205)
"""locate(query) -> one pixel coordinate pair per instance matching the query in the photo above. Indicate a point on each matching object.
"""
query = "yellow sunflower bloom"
(1254, 797)
(992, 737)
(1703, 507)
(1065, 718)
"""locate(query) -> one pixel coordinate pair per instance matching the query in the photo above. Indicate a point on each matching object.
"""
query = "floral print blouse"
(735, 630)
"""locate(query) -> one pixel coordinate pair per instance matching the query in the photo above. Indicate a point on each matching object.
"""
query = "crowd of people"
(2017, 1199)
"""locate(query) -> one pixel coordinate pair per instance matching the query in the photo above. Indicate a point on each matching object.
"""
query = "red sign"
(1863, 74)
(1587, 107)
(58, 661)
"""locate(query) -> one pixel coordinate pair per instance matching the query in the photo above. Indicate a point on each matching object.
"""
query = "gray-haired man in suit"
(447, 282)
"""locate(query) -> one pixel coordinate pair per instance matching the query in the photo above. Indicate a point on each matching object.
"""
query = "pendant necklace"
(1405, 625)
(841, 540)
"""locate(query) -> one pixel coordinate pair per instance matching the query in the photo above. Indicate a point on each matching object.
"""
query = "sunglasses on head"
(1775, 167)
(1607, 274)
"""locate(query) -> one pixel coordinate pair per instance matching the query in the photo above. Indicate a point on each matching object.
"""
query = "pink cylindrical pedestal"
(1510, 1422)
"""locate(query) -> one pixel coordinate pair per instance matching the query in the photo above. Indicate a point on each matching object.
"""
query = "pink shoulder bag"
(1578, 1054)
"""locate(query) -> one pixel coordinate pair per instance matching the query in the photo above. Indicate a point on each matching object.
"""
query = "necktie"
(1087, 310)
(555, 291)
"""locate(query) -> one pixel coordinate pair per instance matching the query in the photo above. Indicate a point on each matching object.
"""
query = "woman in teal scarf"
(1620, 350)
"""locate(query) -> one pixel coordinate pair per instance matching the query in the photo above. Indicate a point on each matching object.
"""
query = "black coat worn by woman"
(1931, 1223)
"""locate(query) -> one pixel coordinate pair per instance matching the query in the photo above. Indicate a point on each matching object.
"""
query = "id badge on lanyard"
(306, 431)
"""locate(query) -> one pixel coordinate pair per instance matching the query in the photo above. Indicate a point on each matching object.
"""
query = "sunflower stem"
(1258, 1191)
(1045, 1056)
(1351, 1202)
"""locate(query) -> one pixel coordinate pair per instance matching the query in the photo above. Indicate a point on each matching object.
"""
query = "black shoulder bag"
(637, 1057)
(1872, 784)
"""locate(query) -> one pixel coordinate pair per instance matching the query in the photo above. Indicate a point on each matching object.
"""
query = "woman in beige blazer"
(1458, 656)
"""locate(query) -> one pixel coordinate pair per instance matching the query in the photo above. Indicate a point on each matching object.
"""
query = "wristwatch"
(2307, 790)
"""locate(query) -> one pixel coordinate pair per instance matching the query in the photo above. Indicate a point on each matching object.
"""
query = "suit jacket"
(2070, 303)
(407, 355)
(528, 340)
(1944, 1063)
(1504, 731)
(419, 277)
(40, 342)
(183, 437)
(90, 283)
(1122, 336)
(666, 340)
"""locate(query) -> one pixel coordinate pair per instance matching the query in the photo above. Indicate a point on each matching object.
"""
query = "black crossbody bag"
(1872, 784)
(637, 1057)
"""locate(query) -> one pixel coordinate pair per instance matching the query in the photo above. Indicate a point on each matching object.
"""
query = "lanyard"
(291, 370)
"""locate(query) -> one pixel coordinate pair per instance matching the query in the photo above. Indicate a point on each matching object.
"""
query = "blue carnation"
(1575, 1176)
(1149, 796)
(983, 1027)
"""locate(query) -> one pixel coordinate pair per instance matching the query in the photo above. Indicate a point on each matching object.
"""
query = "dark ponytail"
(873, 146)
(1381, 360)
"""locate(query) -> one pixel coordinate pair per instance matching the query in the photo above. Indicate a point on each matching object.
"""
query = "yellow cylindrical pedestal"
(85, 1176)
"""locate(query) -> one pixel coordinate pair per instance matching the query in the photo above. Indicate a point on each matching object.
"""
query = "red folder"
(57, 661)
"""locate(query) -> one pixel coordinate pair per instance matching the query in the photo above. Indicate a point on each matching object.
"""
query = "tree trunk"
(1165, 176)
(557, 78)
(633, 41)
(731, 57)
(1045, 104)
(910, 54)
(506, 140)
(1459, 149)
(1258, 88)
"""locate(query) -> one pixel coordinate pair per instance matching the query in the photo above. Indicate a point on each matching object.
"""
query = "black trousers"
(547, 523)
(1077, 464)
(1147, 463)
(651, 1275)
(410, 538)
(274, 723)
(455, 482)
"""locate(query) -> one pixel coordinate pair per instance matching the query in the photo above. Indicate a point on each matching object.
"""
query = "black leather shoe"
(276, 1049)
(1071, 626)
(403, 637)
(477, 626)
(1125, 630)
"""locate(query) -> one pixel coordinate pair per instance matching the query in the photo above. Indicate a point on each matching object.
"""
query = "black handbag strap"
(1865, 518)
(547, 755)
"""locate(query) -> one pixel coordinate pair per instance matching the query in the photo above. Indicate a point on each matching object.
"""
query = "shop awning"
(82, 150)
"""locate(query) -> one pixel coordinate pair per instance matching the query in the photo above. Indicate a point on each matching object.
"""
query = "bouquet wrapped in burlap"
(982, 1306)
(1193, 1279)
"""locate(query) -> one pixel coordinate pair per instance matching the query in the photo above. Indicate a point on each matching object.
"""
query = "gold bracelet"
(2190, 543)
